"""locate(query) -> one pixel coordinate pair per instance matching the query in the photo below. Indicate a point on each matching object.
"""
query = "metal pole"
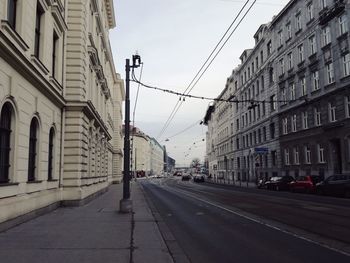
(125, 203)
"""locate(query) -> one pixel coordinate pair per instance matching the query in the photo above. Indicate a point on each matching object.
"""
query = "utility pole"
(125, 205)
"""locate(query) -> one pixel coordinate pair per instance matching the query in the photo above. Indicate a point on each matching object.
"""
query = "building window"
(312, 45)
(296, 155)
(292, 91)
(273, 103)
(263, 108)
(343, 26)
(280, 38)
(294, 123)
(346, 64)
(323, 4)
(286, 156)
(12, 13)
(262, 83)
(301, 53)
(305, 122)
(290, 60)
(54, 54)
(5, 142)
(331, 112)
(347, 106)
(264, 133)
(307, 154)
(310, 11)
(315, 80)
(303, 90)
(33, 138)
(269, 48)
(274, 158)
(289, 31)
(281, 66)
(283, 96)
(298, 22)
(271, 76)
(330, 73)
(320, 151)
(39, 13)
(326, 36)
(272, 130)
(51, 154)
(317, 117)
(261, 57)
(285, 126)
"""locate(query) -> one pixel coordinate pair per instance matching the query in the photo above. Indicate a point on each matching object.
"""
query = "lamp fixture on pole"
(125, 204)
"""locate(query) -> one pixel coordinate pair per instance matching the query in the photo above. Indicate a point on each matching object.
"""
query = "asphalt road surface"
(214, 223)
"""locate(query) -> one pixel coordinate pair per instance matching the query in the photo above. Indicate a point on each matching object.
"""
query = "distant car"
(278, 183)
(335, 185)
(198, 178)
(185, 177)
(306, 184)
(178, 173)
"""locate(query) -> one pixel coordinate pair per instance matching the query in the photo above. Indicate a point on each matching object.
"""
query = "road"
(214, 223)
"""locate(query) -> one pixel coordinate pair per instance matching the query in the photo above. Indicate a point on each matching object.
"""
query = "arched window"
(51, 154)
(5, 142)
(33, 137)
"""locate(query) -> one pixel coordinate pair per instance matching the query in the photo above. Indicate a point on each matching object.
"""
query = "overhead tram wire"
(186, 129)
(240, 21)
(230, 100)
(179, 102)
(217, 53)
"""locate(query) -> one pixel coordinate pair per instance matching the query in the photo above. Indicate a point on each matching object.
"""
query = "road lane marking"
(261, 222)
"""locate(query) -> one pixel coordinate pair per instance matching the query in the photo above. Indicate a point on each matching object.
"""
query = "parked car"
(279, 183)
(198, 178)
(306, 184)
(335, 185)
(261, 184)
(186, 177)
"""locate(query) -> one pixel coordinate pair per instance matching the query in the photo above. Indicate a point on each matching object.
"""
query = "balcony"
(329, 13)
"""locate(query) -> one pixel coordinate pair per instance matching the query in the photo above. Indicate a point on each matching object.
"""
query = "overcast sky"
(174, 38)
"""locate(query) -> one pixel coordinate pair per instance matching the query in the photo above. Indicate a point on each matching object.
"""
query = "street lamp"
(125, 204)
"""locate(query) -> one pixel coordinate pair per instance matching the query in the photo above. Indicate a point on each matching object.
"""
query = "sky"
(174, 39)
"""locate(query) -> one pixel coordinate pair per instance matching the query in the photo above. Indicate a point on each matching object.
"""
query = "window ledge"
(330, 85)
(14, 35)
(55, 83)
(39, 64)
(310, 21)
(8, 184)
(342, 36)
(316, 91)
(52, 180)
(34, 182)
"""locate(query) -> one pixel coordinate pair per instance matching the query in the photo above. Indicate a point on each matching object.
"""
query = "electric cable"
(179, 102)
(133, 117)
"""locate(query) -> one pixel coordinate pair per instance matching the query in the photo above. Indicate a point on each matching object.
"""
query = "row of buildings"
(147, 156)
(60, 104)
(285, 110)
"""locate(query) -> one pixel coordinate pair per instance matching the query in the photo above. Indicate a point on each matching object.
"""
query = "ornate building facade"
(290, 103)
(60, 104)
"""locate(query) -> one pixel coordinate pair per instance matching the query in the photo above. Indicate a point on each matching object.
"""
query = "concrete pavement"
(96, 232)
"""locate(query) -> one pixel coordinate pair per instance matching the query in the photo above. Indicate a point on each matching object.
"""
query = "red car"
(305, 184)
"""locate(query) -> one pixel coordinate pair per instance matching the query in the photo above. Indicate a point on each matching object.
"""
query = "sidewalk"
(92, 233)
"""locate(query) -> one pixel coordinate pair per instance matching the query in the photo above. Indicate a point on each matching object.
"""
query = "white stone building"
(60, 104)
(157, 157)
